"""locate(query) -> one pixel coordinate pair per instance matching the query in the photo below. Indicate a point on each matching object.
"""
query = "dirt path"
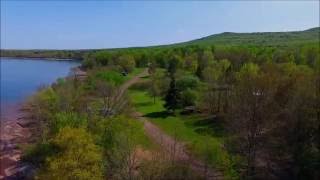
(132, 81)
(173, 147)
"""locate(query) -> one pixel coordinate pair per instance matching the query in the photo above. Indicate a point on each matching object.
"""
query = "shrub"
(127, 62)
(188, 97)
(188, 81)
(103, 58)
(78, 157)
(37, 154)
(87, 64)
(71, 119)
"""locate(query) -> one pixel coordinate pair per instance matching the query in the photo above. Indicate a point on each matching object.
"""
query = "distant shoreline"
(39, 58)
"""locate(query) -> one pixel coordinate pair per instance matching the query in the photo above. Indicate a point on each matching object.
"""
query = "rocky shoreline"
(17, 131)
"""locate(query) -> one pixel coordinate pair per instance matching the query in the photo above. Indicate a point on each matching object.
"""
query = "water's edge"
(15, 107)
(17, 130)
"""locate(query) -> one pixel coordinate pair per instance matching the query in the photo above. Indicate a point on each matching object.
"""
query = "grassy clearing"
(115, 77)
(189, 129)
(135, 72)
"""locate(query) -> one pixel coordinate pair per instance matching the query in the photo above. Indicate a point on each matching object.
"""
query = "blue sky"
(110, 24)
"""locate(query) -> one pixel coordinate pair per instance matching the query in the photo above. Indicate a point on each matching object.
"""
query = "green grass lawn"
(189, 129)
(116, 77)
(135, 72)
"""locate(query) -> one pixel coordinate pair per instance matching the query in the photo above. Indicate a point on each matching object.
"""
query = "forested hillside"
(260, 39)
(265, 39)
(197, 111)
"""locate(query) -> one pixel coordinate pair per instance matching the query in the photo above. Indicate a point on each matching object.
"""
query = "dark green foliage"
(172, 97)
(173, 65)
(87, 64)
(188, 97)
(103, 58)
(38, 153)
(143, 60)
(187, 82)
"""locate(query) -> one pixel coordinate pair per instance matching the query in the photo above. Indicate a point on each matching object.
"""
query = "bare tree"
(114, 99)
(252, 109)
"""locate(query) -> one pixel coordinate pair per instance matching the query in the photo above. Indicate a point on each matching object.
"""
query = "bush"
(188, 97)
(120, 137)
(103, 58)
(127, 62)
(87, 64)
(64, 119)
(38, 153)
(188, 81)
(78, 157)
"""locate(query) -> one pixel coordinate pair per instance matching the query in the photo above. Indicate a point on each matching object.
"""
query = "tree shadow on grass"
(213, 126)
(161, 114)
(144, 103)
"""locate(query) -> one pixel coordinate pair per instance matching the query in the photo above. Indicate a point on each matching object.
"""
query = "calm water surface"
(20, 78)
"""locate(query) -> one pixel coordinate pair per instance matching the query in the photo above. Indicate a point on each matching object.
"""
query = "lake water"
(20, 78)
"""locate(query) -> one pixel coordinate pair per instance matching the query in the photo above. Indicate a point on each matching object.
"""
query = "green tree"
(143, 60)
(103, 58)
(172, 97)
(173, 65)
(188, 97)
(294, 131)
(88, 64)
(206, 57)
(154, 89)
(216, 96)
(252, 109)
(191, 63)
(188, 82)
(127, 62)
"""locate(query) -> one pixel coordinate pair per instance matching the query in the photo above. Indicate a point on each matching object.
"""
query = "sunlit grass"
(206, 147)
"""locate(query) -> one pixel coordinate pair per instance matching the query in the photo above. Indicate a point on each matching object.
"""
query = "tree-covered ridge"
(260, 38)
(257, 39)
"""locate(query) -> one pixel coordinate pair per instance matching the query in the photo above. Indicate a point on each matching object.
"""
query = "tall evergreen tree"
(172, 97)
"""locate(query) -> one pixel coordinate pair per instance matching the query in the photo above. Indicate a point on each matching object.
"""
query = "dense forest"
(246, 110)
